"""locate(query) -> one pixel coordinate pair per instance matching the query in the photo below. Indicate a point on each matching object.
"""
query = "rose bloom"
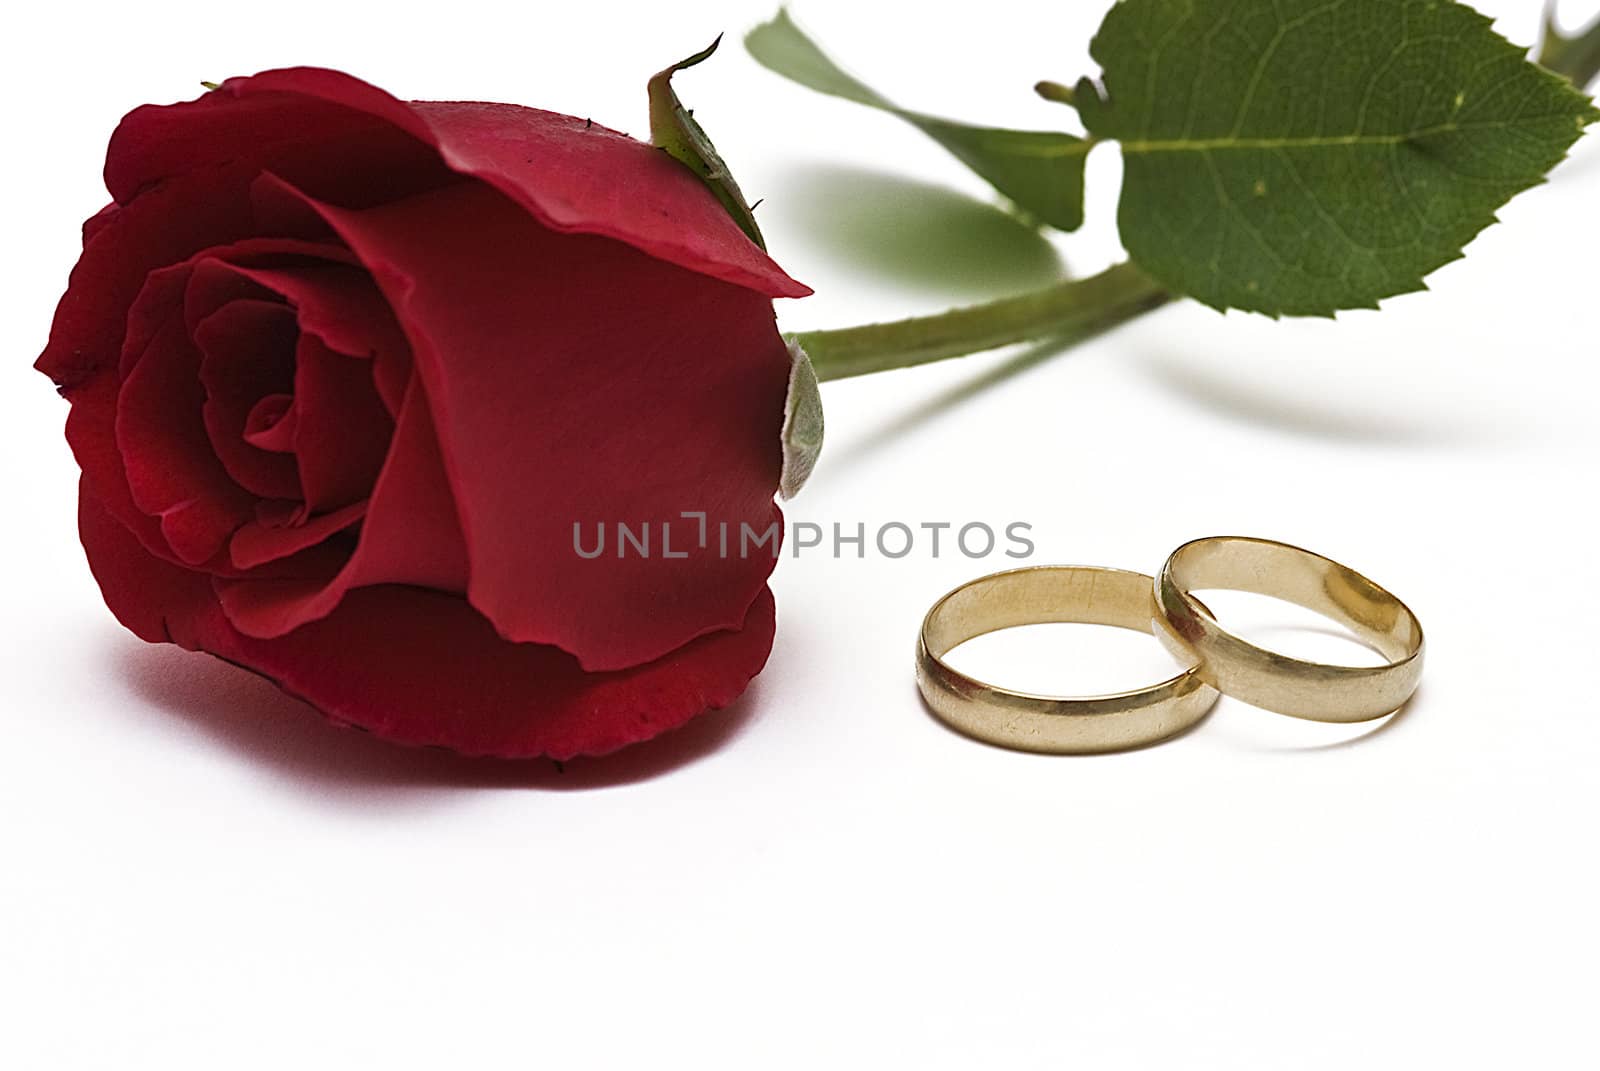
(346, 371)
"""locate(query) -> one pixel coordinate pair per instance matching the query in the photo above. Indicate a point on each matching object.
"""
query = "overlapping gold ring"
(1263, 678)
(1056, 724)
(1217, 660)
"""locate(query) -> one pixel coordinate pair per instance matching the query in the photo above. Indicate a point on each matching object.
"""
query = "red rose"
(345, 372)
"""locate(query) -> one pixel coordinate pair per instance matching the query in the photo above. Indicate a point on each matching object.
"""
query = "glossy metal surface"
(1055, 724)
(1277, 682)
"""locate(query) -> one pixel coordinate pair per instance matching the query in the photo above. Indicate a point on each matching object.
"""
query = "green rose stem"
(1068, 312)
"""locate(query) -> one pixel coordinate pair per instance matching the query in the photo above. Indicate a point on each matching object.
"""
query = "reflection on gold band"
(1276, 682)
(1052, 723)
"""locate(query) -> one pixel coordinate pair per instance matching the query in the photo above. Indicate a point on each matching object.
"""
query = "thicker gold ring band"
(1276, 682)
(1055, 724)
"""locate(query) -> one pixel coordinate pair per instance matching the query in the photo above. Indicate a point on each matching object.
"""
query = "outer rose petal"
(419, 667)
(572, 175)
(623, 390)
(122, 246)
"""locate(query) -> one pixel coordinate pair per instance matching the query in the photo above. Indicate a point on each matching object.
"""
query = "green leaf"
(673, 128)
(1303, 156)
(802, 423)
(1040, 171)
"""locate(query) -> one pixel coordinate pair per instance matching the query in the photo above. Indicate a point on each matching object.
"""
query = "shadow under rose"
(250, 716)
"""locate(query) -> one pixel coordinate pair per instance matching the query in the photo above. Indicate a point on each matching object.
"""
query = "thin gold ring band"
(1053, 724)
(1310, 690)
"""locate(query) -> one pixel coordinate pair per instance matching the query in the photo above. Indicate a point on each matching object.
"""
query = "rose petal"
(271, 425)
(179, 476)
(269, 537)
(285, 213)
(340, 304)
(171, 469)
(630, 392)
(573, 175)
(342, 430)
(247, 350)
(91, 434)
(340, 424)
(171, 222)
(419, 667)
(94, 223)
(350, 140)
(143, 591)
(581, 178)
(410, 535)
(211, 284)
(204, 282)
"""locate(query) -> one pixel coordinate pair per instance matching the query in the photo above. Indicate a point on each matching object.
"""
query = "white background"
(195, 872)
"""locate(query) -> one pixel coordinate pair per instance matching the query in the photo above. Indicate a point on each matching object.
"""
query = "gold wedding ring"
(1276, 682)
(1054, 724)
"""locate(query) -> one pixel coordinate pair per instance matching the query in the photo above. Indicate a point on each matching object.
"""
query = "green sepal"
(802, 423)
(673, 128)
